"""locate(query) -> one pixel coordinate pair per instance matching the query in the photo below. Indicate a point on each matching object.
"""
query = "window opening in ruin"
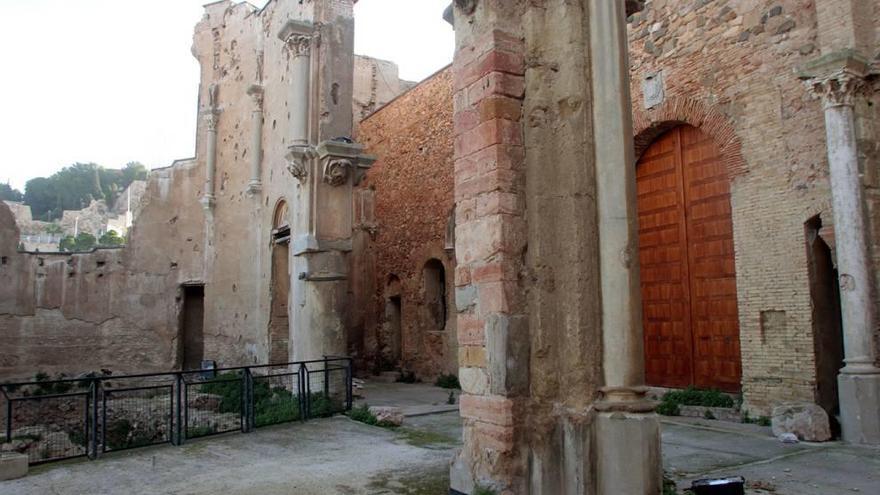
(827, 323)
(193, 327)
(434, 276)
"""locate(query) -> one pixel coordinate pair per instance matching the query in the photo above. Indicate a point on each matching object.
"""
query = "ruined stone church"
(595, 198)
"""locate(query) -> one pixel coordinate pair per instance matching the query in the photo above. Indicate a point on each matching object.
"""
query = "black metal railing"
(51, 420)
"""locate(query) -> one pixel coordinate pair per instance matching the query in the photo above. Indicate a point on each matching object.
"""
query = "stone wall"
(403, 210)
(83, 312)
(729, 68)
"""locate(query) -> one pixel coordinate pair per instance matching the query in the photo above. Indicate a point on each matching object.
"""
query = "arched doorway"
(688, 270)
(279, 322)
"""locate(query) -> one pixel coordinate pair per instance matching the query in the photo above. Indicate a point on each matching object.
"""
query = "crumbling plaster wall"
(403, 208)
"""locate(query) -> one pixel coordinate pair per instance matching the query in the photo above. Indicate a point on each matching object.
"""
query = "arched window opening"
(434, 276)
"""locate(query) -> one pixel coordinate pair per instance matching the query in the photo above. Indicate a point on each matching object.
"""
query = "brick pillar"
(490, 238)
(529, 287)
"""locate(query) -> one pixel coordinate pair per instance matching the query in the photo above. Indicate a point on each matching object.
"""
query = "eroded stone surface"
(808, 421)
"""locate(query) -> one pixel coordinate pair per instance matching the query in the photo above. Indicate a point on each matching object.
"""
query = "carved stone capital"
(838, 89)
(297, 37)
(298, 160)
(211, 119)
(337, 170)
(298, 45)
(342, 159)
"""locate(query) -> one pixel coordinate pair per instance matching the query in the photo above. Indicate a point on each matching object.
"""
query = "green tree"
(75, 186)
(111, 239)
(7, 193)
(68, 243)
(84, 241)
(54, 228)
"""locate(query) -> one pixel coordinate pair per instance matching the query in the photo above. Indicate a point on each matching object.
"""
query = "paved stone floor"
(339, 456)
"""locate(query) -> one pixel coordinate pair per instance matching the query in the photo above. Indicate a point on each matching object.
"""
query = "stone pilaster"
(838, 82)
(255, 185)
(326, 168)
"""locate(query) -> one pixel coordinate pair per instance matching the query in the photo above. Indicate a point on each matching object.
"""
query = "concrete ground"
(339, 456)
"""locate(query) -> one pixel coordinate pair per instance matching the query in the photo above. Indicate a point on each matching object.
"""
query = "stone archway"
(688, 271)
(648, 125)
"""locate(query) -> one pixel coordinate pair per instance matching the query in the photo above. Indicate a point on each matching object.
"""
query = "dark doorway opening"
(193, 327)
(827, 325)
(279, 319)
(393, 322)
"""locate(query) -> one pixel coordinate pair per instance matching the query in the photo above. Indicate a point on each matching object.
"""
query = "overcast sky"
(113, 81)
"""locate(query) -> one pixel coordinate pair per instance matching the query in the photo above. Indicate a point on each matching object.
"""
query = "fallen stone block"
(13, 466)
(808, 422)
(390, 416)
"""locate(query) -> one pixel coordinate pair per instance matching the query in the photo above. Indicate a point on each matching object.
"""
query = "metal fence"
(51, 420)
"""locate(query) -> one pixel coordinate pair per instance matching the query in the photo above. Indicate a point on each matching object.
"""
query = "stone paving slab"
(339, 456)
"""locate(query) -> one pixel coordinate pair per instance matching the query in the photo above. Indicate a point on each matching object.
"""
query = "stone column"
(211, 118)
(625, 417)
(255, 184)
(859, 379)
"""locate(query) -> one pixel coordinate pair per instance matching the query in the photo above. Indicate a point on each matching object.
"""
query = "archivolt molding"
(648, 125)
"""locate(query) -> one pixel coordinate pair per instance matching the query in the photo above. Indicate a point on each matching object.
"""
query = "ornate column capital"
(298, 160)
(211, 118)
(837, 89)
(298, 45)
(297, 37)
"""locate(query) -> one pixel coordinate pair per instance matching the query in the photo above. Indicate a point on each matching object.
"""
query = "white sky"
(113, 81)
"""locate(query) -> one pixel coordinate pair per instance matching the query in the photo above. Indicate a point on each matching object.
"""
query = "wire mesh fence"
(51, 420)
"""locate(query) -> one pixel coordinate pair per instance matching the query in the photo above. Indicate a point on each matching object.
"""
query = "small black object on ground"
(720, 486)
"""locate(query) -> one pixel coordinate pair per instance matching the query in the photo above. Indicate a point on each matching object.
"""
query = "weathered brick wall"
(406, 200)
(729, 68)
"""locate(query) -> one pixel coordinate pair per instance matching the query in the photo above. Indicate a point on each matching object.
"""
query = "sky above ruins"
(113, 81)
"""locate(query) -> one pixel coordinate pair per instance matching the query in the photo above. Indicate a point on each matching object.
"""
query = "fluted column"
(859, 379)
(256, 184)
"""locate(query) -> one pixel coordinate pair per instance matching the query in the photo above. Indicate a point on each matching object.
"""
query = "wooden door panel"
(687, 260)
(663, 258)
(713, 277)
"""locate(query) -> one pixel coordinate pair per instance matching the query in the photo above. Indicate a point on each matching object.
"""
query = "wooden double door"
(688, 271)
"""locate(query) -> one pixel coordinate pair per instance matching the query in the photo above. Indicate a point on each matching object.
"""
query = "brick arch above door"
(648, 125)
